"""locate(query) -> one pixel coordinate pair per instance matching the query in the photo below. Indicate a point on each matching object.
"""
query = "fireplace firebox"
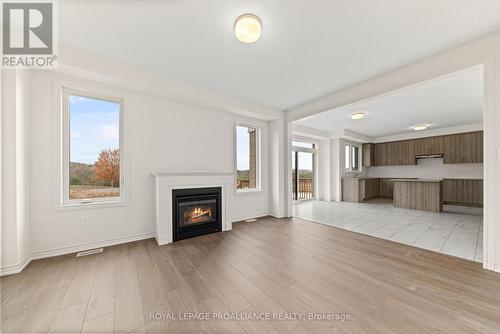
(196, 211)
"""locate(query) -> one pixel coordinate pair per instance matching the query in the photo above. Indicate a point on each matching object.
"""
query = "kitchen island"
(418, 194)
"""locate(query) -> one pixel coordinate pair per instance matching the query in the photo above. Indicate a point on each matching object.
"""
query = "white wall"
(429, 169)
(277, 168)
(324, 170)
(337, 168)
(15, 227)
(163, 136)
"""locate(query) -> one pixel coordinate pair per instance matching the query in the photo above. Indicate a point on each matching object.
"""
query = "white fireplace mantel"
(165, 182)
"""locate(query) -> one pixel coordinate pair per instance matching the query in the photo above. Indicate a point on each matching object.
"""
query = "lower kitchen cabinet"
(386, 188)
(468, 192)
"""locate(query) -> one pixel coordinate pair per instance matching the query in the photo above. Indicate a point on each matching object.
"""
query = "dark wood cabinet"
(380, 154)
(360, 189)
(415, 194)
(467, 192)
(368, 155)
(429, 145)
(456, 149)
(409, 154)
(396, 153)
(369, 189)
(350, 190)
(386, 188)
(463, 148)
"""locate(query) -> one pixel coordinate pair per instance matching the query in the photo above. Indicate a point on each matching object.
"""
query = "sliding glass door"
(302, 171)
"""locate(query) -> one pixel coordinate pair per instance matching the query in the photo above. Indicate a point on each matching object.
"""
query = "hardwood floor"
(278, 266)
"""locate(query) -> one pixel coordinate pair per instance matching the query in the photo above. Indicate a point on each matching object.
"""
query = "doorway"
(303, 175)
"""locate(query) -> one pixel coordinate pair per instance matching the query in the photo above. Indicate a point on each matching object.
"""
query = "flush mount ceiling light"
(420, 127)
(358, 115)
(248, 28)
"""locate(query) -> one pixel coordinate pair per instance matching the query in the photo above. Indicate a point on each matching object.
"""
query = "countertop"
(416, 180)
(360, 177)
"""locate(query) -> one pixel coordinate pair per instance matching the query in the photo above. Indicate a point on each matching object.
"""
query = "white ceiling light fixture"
(248, 28)
(420, 127)
(358, 115)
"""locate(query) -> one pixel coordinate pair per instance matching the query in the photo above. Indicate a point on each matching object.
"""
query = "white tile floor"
(457, 231)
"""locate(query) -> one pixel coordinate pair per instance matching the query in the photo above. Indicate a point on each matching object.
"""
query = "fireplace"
(196, 211)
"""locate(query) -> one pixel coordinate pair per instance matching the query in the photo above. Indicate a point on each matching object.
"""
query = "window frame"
(315, 155)
(258, 151)
(351, 148)
(63, 92)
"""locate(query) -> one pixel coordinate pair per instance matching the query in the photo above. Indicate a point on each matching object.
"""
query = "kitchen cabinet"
(468, 192)
(357, 190)
(463, 148)
(409, 154)
(381, 154)
(456, 149)
(429, 145)
(386, 188)
(418, 194)
(396, 153)
(391, 153)
(369, 189)
(350, 189)
(368, 155)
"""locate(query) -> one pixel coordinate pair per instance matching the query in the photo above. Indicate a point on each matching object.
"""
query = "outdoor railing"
(306, 190)
(243, 184)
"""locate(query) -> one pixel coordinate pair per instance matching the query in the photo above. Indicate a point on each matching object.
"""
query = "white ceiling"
(308, 48)
(454, 100)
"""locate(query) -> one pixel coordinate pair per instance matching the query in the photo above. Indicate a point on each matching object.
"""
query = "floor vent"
(89, 252)
(253, 220)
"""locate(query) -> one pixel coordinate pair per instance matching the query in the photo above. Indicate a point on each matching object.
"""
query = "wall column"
(14, 171)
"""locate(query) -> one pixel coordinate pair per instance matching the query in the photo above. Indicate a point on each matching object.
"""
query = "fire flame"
(197, 212)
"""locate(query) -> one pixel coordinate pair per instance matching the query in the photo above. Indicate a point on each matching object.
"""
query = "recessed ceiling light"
(358, 115)
(420, 127)
(248, 28)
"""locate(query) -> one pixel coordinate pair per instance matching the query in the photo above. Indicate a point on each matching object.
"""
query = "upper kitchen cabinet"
(368, 155)
(396, 153)
(429, 145)
(410, 152)
(463, 148)
(380, 154)
(456, 149)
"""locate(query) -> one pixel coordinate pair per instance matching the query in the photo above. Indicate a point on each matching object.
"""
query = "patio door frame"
(295, 157)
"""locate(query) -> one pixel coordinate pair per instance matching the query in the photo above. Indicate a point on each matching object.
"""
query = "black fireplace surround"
(196, 211)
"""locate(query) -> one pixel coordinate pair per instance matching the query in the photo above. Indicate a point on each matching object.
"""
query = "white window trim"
(257, 189)
(62, 90)
(315, 153)
(350, 158)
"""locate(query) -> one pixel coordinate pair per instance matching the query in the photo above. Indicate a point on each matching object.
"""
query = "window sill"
(91, 205)
(248, 192)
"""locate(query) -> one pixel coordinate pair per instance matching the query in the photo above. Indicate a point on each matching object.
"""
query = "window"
(351, 156)
(247, 158)
(303, 170)
(355, 158)
(302, 144)
(92, 169)
(348, 157)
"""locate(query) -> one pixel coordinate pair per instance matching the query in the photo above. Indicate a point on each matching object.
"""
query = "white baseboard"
(90, 245)
(496, 268)
(72, 249)
(256, 216)
(16, 268)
